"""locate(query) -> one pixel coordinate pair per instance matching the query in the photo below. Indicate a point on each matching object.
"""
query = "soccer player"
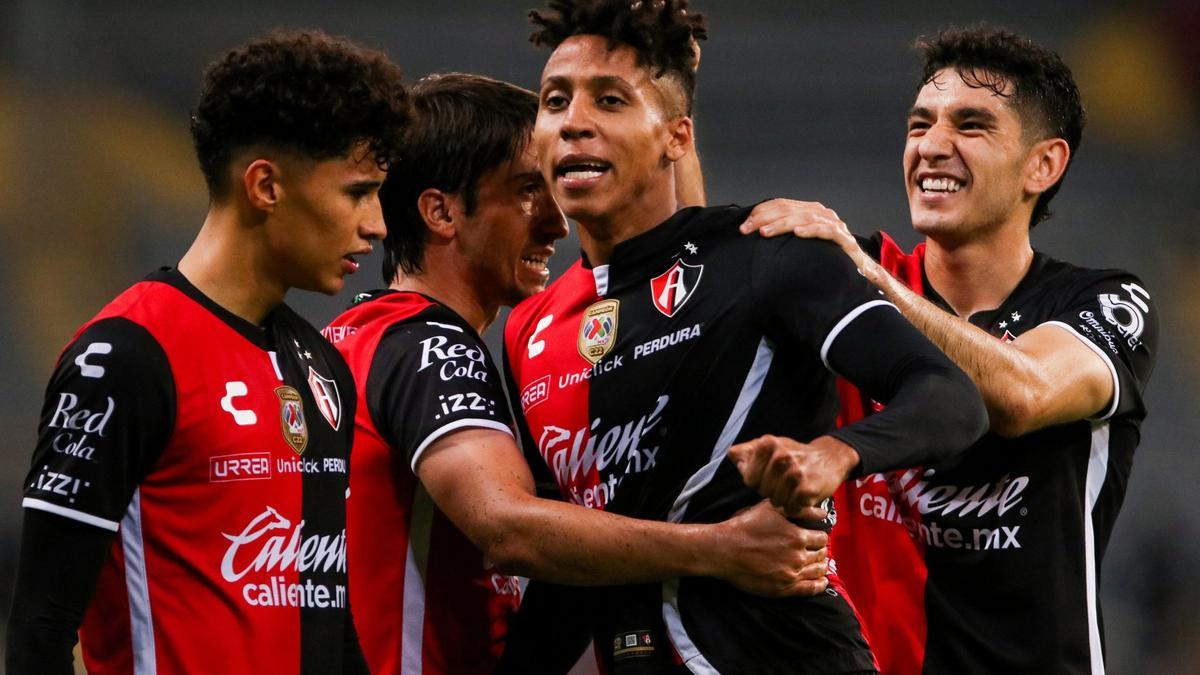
(443, 505)
(674, 338)
(1011, 534)
(186, 501)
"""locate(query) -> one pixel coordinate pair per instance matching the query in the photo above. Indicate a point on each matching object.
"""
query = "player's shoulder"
(578, 282)
(1064, 280)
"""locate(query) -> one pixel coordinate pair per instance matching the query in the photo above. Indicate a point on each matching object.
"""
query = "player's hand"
(766, 554)
(794, 476)
(808, 220)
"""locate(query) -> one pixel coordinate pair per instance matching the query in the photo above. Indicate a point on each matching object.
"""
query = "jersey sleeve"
(430, 378)
(1115, 317)
(108, 413)
(808, 291)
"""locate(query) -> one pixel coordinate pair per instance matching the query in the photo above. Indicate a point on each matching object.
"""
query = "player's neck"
(450, 286)
(227, 267)
(978, 274)
(600, 234)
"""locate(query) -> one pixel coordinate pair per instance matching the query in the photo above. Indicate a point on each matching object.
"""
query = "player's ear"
(261, 181)
(1047, 162)
(681, 139)
(438, 212)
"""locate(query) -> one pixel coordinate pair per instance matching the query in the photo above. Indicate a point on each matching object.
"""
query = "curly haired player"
(674, 338)
(185, 508)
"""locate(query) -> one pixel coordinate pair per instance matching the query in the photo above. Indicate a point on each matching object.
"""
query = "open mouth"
(577, 169)
(350, 263)
(941, 184)
(535, 263)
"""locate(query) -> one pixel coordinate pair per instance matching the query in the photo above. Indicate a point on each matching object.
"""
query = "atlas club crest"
(325, 393)
(672, 289)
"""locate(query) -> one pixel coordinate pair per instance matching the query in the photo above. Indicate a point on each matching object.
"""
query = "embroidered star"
(1016, 316)
(296, 342)
(691, 248)
(1004, 324)
(308, 355)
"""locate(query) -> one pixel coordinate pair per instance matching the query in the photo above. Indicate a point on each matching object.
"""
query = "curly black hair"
(302, 91)
(463, 127)
(1039, 84)
(660, 31)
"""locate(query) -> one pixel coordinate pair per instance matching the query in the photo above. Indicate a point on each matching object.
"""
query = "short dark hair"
(660, 31)
(463, 127)
(300, 91)
(1043, 91)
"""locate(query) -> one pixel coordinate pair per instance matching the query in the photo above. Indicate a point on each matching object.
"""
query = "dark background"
(98, 186)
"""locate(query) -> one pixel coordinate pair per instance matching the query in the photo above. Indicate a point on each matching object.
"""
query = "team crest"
(291, 418)
(673, 288)
(325, 393)
(598, 330)
(1007, 337)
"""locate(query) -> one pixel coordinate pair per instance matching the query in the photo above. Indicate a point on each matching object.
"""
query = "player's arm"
(1047, 376)
(812, 299)
(480, 480)
(107, 414)
(454, 430)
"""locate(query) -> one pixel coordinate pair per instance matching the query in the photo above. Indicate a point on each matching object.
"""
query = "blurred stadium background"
(98, 186)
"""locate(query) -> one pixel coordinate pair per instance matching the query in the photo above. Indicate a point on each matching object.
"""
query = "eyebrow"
(562, 81)
(957, 113)
(364, 185)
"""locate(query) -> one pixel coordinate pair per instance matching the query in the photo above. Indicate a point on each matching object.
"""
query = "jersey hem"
(40, 505)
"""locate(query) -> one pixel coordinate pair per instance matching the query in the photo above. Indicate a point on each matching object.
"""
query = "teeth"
(582, 175)
(940, 185)
(539, 263)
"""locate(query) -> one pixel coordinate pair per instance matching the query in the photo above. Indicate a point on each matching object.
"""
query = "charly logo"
(598, 330)
(325, 393)
(672, 289)
(291, 418)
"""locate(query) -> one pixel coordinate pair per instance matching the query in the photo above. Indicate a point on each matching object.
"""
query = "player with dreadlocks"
(641, 366)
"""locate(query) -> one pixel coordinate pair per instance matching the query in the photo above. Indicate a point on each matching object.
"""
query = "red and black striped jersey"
(425, 601)
(990, 562)
(635, 377)
(217, 452)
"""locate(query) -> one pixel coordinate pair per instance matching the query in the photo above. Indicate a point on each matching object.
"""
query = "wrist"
(843, 455)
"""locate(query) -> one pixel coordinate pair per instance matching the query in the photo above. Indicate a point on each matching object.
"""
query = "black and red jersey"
(993, 558)
(425, 600)
(635, 377)
(217, 452)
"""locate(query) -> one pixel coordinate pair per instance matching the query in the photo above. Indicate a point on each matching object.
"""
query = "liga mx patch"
(672, 289)
(598, 330)
(291, 418)
(325, 393)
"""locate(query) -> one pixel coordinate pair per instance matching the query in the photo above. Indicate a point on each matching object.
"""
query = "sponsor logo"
(243, 418)
(58, 483)
(598, 330)
(1092, 326)
(299, 465)
(572, 379)
(244, 466)
(78, 425)
(658, 344)
(325, 393)
(583, 455)
(633, 645)
(291, 418)
(946, 500)
(88, 369)
(672, 289)
(271, 545)
(336, 334)
(455, 403)
(438, 349)
(1129, 316)
(503, 584)
(535, 392)
(536, 346)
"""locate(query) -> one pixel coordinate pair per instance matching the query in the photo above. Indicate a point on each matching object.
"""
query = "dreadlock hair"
(662, 32)
(1035, 79)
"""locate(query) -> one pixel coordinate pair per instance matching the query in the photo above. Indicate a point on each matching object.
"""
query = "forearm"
(1010, 381)
(564, 543)
(59, 563)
